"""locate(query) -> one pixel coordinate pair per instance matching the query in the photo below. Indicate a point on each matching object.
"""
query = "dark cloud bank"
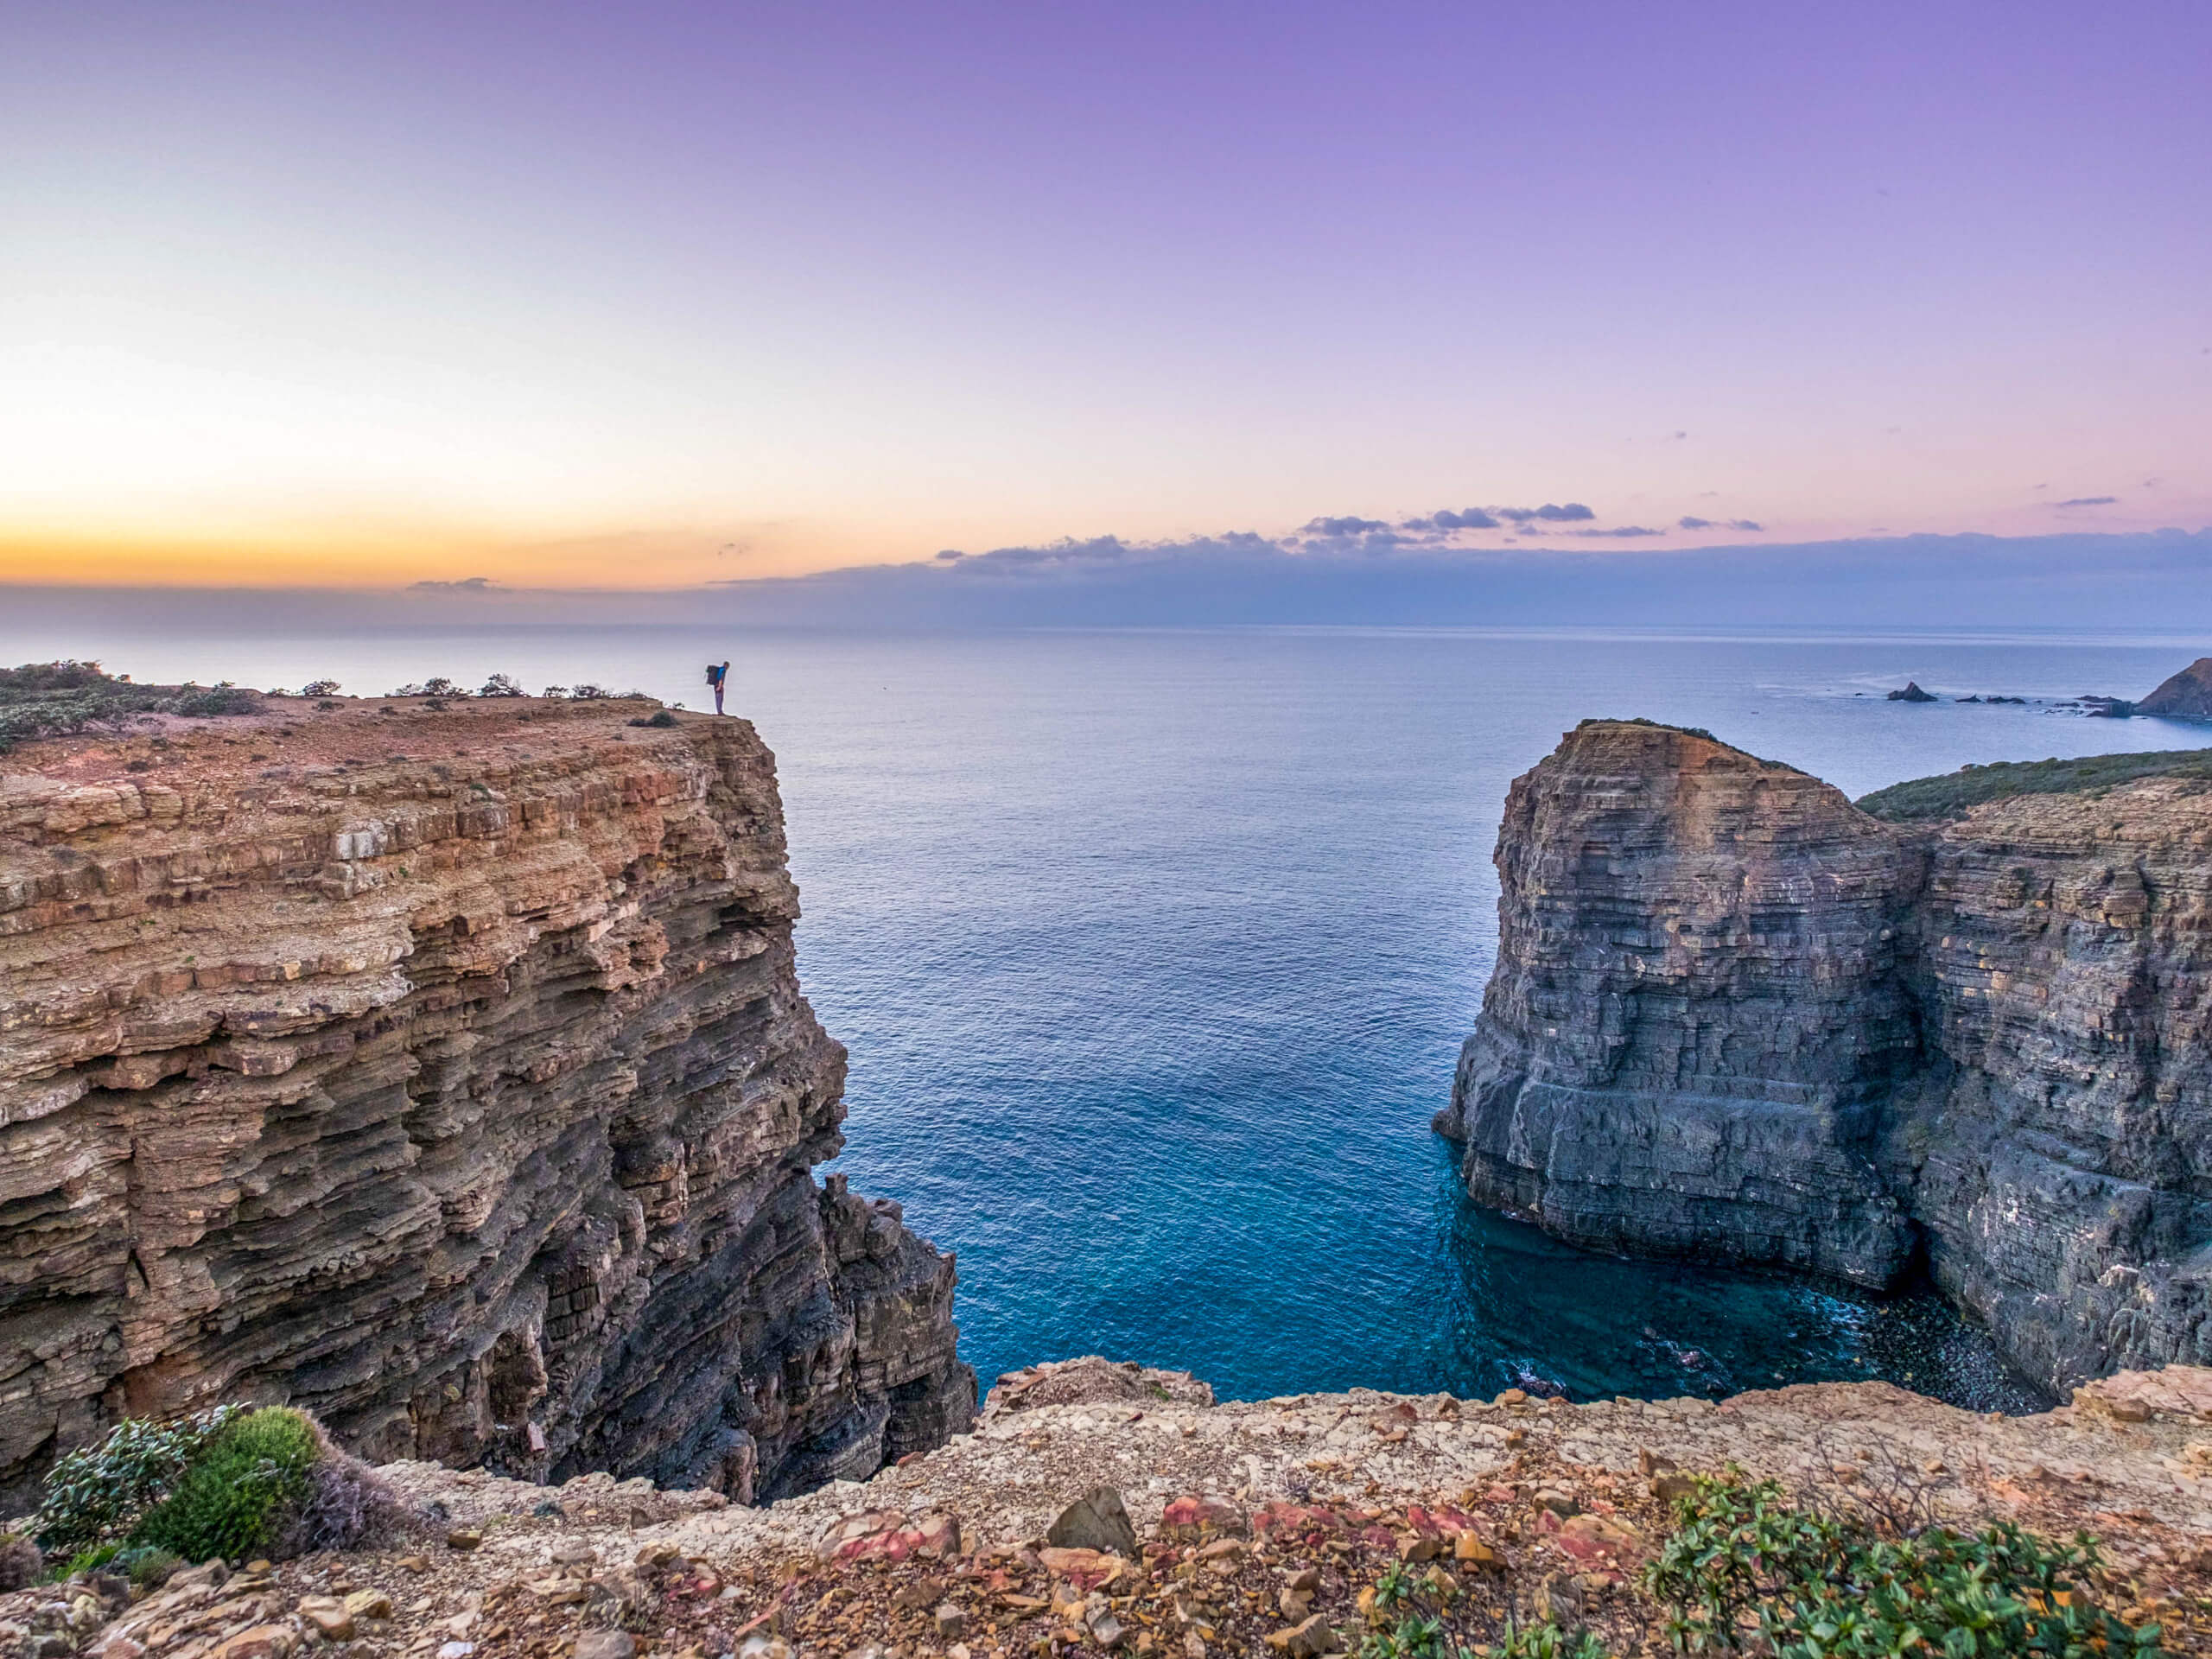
(1336, 571)
(1359, 571)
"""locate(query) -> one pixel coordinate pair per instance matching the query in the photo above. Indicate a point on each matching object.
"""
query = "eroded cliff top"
(1261, 1528)
(291, 743)
(1952, 794)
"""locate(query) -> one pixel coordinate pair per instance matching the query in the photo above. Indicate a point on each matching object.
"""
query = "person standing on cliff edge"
(717, 674)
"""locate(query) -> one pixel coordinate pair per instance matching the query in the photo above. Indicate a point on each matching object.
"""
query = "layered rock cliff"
(446, 1073)
(1736, 1017)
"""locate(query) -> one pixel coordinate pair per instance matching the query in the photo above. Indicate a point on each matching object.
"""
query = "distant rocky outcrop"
(1735, 1017)
(1912, 693)
(446, 1073)
(2185, 695)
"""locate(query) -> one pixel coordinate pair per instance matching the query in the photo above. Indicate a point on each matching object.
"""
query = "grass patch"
(55, 699)
(1954, 792)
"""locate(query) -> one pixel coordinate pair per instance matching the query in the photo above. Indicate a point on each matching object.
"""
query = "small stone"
(605, 1644)
(1421, 1547)
(571, 1553)
(413, 1563)
(119, 1646)
(1467, 1548)
(1097, 1520)
(328, 1615)
(263, 1565)
(455, 1649)
(1222, 1549)
(1294, 1605)
(759, 1646)
(1308, 1639)
(369, 1603)
(1934, 1466)
(463, 1538)
(1307, 1581)
(1669, 1488)
(951, 1623)
(262, 1642)
(1559, 1503)
(1106, 1631)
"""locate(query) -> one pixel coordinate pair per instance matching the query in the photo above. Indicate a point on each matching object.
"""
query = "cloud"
(1689, 523)
(1341, 526)
(1550, 512)
(2087, 501)
(1625, 530)
(1466, 518)
(950, 554)
(466, 585)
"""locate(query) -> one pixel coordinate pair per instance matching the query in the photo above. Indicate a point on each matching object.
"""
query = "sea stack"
(1736, 1018)
(445, 1073)
(2185, 695)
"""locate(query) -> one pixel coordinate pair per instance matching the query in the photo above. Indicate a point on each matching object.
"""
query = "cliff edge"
(1734, 1016)
(444, 1071)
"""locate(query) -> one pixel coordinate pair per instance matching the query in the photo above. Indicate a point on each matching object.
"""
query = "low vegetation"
(1745, 1570)
(231, 1482)
(1954, 792)
(56, 699)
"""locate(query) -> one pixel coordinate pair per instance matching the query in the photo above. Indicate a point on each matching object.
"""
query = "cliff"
(1736, 1017)
(446, 1073)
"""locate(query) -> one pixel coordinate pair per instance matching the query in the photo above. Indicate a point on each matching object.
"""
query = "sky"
(666, 295)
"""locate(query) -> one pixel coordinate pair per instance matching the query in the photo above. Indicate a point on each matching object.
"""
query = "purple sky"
(657, 293)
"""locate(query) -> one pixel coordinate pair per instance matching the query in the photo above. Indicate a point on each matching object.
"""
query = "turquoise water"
(1154, 951)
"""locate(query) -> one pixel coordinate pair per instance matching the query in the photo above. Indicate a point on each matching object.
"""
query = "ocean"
(1154, 951)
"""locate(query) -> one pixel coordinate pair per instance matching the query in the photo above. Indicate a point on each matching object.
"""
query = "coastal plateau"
(445, 1072)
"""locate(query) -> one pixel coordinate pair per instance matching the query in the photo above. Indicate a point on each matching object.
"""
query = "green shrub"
(1742, 1559)
(95, 1494)
(235, 1495)
(1547, 1640)
(89, 1561)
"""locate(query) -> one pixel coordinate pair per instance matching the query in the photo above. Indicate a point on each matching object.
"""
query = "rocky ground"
(1260, 1528)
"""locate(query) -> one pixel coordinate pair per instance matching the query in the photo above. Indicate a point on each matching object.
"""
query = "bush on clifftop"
(55, 699)
(230, 1482)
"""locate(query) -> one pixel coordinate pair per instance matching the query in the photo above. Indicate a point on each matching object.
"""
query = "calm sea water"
(1154, 951)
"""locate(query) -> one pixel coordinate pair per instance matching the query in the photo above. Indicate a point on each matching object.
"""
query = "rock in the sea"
(1097, 1520)
(1092, 1378)
(1912, 693)
(1736, 1018)
(469, 1101)
(2185, 695)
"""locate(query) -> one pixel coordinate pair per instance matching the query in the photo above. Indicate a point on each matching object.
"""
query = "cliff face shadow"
(1525, 1310)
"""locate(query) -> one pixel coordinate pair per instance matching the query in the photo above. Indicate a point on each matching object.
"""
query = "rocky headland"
(443, 1070)
(1736, 1017)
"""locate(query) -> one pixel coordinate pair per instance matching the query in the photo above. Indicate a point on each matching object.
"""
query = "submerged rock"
(1912, 693)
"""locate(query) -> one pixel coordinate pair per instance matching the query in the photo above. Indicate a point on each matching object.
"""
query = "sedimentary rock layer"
(1735, 1017)
(446, 1073)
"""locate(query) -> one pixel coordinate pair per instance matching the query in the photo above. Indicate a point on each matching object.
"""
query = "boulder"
(1098, 1520)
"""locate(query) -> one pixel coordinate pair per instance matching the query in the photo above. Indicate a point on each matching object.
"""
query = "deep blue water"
(1154, 951)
